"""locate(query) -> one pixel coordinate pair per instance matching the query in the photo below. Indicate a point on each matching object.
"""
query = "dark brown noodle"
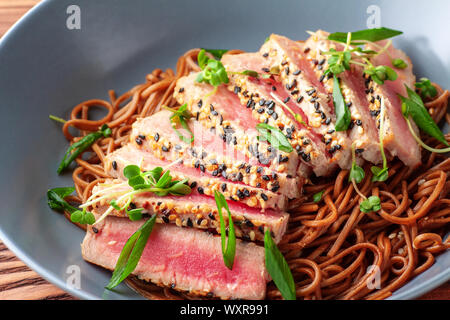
(330, 245)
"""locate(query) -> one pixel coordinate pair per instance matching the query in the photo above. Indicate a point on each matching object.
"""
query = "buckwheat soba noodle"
(334, 250)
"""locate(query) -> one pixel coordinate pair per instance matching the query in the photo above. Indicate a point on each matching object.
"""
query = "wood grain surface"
(17, 281)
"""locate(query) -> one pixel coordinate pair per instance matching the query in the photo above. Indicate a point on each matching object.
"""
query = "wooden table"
(17, 281)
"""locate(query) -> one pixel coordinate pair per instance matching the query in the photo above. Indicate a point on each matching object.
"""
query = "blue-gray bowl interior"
(45, 68)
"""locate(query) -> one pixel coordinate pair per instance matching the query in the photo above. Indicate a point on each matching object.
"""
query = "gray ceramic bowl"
(46, 68)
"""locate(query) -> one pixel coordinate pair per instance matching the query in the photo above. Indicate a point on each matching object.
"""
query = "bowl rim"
(410, 293)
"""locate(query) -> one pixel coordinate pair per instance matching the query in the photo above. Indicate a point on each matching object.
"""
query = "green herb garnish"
(228, 247)
(181, 116)
(379, 74)
(55, 200)
(372, 35)
(278, 268)
(274, 136)
(80, 146)
(356, 173)
(131, 253)
(343, 116)
(154, 181)
(427, 90)
(413, 106)
(340, 61)
(399, 63)
(318, 196)
(213, 72)
(372, 203)
(217, 53)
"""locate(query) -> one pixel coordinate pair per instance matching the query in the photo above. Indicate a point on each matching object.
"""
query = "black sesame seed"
(141, 136)
(311, 92)
(306, 50)
(359, 150)
(265, 55)
(261, 102)
(200, 103)
(264, 197)
(260, 110)
(275, 115)
(189, 223)
(297, 72)
(114, 165)
(156, 137)
(286, 100)
(358, 122)
(299, 99)
(249, 223)
(193, 184)
(138, 141)
(321, 62)
(265, 69)
(224, 187)
(266, 177)
(328, 121)
(164, 148)
(181, 90)
(200, 190)
(94, 229)
(202, 168)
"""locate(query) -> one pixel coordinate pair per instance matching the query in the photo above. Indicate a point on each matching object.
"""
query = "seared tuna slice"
(253, 197)
(397, 138)
(363, 131)
(287, 57)
(194, 210)
(268, 99)
(222, 111)
(208, 154)
(183, 258)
